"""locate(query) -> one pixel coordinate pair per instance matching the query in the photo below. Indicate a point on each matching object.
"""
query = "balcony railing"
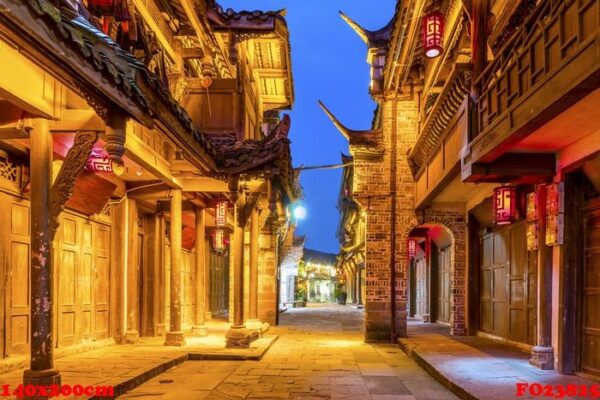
(551, 40)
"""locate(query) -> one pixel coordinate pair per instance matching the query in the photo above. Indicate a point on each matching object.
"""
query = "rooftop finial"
(360, 31)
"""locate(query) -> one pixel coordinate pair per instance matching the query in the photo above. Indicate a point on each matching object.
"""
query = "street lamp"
(299, 212)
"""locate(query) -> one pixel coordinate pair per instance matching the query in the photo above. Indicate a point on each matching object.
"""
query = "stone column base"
(40, 378)
(199, 330)
(256, 325)
(161, 330)
(175, 339)
(542, 357)
(130, 337)
(240, 338)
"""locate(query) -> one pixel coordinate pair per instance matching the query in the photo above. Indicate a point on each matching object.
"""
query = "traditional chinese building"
(479, 175)
(139, 142)
(352, 235)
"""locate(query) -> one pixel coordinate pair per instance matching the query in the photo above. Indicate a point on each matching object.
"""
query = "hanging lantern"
(219, 239)
(505, 205)
(221, 214)
(412, 248)
(432, 32)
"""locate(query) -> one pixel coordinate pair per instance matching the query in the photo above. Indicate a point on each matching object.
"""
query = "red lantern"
(432, 32)
(505, 205)
(221, 214)
(98, 161)
(412, 248)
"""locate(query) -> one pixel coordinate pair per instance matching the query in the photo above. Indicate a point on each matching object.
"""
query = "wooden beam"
(203, 184)
(165, 206)
(192, 53)
(194, 85)
(526, 167)
(13, 133)
(147, 158)
(78, 120)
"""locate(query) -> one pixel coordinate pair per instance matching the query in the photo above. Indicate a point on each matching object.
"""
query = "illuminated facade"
(507, 105)
(120, 137)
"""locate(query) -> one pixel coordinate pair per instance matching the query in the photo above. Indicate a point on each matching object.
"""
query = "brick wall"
(374, 181)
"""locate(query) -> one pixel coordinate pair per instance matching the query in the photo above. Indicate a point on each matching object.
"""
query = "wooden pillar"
(200, 329)
(238, 271)
(238, 335)
(253, 276)
(161, 285)
(479, 17)
(412, 291)
(542, 354)
(41, 370)
(131, 334)
(175, 337)
(358, 285)
(154, 266)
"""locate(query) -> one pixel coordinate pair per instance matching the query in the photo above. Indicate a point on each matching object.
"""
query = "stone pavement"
(127, 366)
(320, 355)
(475, 367)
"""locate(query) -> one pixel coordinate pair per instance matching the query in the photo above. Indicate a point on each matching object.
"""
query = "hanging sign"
(412, 248)
(532, 217)
(221, 214)
(219, 239)
(554, 214)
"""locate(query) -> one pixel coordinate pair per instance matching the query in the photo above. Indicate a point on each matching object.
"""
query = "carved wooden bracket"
(245, 209)
(62, 189)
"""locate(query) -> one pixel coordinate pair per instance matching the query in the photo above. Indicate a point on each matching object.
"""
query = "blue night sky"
(329, 64)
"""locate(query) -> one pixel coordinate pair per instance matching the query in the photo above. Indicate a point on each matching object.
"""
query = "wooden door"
(517, 289)
(16, 263)
(421, 287)
(590, 316)
(219, 283)
(443, 309)
(85, 283)
(508, 284)
(494, 300)
(67, 259)
(101, 281)
(139, 273)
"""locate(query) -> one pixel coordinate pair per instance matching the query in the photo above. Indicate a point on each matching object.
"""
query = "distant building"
(292, 256)
(318, 275)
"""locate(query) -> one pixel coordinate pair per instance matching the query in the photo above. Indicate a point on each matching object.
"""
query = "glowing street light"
(299, 212)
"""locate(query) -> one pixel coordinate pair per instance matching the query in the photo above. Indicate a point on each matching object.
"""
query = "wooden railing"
(552, 36)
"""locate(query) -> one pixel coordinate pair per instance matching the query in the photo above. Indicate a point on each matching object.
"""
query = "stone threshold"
(413, 352)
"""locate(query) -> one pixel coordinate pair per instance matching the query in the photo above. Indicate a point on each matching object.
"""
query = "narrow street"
(320, 355)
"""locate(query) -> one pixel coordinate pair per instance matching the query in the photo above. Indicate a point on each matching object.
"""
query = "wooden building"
(122, 130)
(479, 177)
(351, 234)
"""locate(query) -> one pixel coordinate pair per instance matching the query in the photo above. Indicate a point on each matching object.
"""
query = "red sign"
(221, 214)
(412, 248)
(505, 205)
(432, 34)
